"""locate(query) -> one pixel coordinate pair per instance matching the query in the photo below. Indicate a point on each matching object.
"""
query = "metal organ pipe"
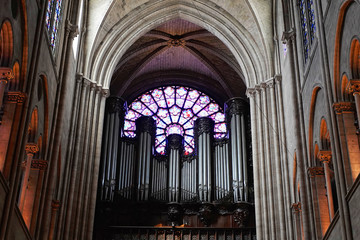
(174, 149)
(204, 128)
(236, 110)
(109, 158)
(145, 130)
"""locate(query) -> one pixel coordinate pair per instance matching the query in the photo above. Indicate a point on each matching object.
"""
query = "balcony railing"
(178, 233)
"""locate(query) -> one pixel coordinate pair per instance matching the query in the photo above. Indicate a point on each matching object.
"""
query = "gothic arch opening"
(355, 59)
(6, 44)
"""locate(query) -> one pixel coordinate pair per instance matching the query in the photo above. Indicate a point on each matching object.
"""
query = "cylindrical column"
(145, 132)
(325, 158)
(236, 109)
(174, 147)
(204, 128)
(114, 117)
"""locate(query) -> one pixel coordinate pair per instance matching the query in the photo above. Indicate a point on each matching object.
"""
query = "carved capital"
(354, 86)
(324, 156)
(288, 37)
(250, 92)
(31, 148)
(105, 93)
(296, 207)
(15, 97)
(175, 141)
(72, 30)
(145, 124)
(315, 171)
(204, 125)
(55, 205)
(343, 107)
(6, 75)
(236, 106)
(278, 78)
(39, 164)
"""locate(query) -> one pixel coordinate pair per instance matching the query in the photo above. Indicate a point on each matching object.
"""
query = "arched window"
(308, 26)
(53, 19)
(175, 110)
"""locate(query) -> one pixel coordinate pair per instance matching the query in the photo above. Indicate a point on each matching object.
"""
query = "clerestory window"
(53, 19)
(308, 26)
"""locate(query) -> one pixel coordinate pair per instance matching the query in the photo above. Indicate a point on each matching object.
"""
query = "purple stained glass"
(175, 119)
(48, 14)
(311, 18)
(174, 129)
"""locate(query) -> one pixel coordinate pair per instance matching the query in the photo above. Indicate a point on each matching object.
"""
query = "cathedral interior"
(180, 119)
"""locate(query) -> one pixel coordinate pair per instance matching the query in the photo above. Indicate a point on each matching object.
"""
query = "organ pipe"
(236, 109)
(204, 128)
(174, 150)
(114, 119)
(145, 131)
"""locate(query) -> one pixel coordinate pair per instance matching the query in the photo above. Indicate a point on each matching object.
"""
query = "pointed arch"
(6, 44)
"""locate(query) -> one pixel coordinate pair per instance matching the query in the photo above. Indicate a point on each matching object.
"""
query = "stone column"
(296, 207)
(354, 87)
(31, 149)
(55, 206)
(114, 117)
(145, 132)
(6, 75)
(174, 147)
(325, 158)
(204, 132)
(236, 110)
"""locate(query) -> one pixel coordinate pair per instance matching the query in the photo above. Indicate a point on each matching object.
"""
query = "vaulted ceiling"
(178, 52)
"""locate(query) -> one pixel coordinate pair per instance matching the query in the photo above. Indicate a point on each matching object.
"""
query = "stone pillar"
(204, 132)
(6, 75)
(31, 149)
(354, 87)
(174, 150)
(236, 110)
(145, 133)
(325, 158)
(114, 117)
(55, 206)
(296, 207)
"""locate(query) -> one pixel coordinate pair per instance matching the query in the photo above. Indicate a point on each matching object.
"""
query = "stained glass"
(175, 110)
(311, 14)
(53, 18)
(304, 28)
(308, 26)
(48, 14)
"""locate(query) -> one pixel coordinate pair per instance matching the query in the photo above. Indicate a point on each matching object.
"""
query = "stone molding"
(6, 74)
(353, 86)
(39, 164)
(288, 36)
(324, 156)
(296, 207)
(343, 107)
(72, 30)
(315, 171)
(15, 97)
(31, 148)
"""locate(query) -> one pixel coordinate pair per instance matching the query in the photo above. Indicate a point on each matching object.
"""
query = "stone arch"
(217, 21)
(311, 120)
(345, 94)
(14, 84)
(324, 135)
(6, 44)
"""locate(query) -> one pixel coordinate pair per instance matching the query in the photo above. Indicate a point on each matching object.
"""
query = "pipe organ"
(217, 171)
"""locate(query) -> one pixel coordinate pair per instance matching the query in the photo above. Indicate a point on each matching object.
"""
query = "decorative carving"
(105, 92)
(145, 124)
(241, 214)
(315, 171)
(6, 74)
(287, 37)
(176, 41)
(343, 107)
(39, 164)
(31, 148)
(55, 205)
(354, 86)
(250, 92)
(174, 213)
(207, 213)
(236, 106)
(15, 97)
(72, 30)
(115, 105)
(203, 125)
(175, 141)
(324, 156)
(296, 207)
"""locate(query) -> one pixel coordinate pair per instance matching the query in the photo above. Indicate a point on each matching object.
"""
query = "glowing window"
(53, 18)
(308, 26)
(175, 110)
